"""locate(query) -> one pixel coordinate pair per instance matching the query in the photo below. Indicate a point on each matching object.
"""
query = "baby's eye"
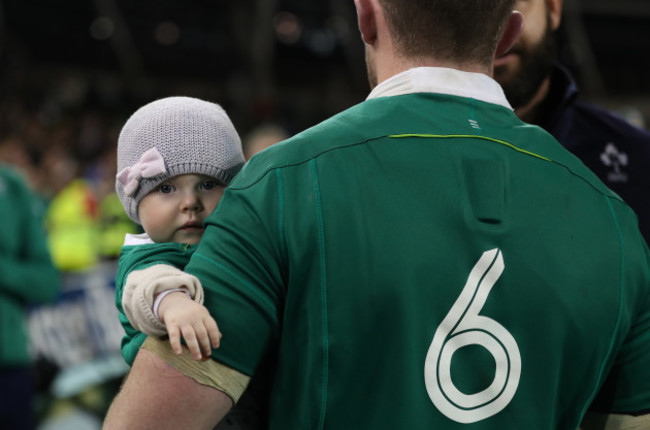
(209, 184)
(165, 188)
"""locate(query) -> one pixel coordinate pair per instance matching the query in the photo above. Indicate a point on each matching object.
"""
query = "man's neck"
(393, 65)
(530, 113)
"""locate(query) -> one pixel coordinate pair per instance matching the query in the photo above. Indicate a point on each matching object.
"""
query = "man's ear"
(513, 30)
(366, 20)
(554, 8)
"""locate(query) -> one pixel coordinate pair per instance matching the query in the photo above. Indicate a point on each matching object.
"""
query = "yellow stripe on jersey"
(447, 136)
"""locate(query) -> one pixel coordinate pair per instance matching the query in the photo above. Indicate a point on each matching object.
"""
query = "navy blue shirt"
(614, 149)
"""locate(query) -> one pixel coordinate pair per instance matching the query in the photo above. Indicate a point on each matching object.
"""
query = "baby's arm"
(180, 313)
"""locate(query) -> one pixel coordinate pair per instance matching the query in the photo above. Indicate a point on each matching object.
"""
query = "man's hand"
(184, 317)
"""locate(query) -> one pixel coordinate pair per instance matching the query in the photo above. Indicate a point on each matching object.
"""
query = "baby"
(175, 156)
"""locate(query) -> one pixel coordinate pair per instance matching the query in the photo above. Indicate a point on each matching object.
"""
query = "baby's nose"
(191, 202)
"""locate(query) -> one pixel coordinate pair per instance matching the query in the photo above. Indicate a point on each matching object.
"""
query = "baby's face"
(176, 209)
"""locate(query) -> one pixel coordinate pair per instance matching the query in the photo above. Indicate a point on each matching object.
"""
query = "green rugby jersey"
(428, 261)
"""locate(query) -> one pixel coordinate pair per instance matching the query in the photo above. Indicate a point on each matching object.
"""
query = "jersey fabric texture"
(429, 261)
(138, 257)
(617, 151)
(27, 273)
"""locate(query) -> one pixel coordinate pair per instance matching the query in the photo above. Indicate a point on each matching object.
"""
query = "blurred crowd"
(69, 163)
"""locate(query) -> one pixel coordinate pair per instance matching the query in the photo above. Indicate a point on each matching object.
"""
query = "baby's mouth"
(192, 226)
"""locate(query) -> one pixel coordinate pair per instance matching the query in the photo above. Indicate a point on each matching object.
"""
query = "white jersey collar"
(442, 80)
(137, 239)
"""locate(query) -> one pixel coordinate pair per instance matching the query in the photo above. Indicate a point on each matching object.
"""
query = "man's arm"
(595, 421)
(157, 396)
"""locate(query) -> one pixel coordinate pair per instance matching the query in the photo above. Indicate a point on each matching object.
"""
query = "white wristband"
(156, 303)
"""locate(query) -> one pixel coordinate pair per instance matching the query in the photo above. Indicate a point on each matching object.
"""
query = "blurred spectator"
(72, 222)
(72, 218)
(27, 275)
(544, 93)
(14, 152)
(262, 137)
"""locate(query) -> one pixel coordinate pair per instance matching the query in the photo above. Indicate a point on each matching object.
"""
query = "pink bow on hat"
(151, 164)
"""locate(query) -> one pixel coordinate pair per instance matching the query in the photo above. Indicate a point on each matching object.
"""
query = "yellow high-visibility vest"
(72, 224)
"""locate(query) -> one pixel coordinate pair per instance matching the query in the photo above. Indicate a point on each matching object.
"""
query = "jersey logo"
(464, 326)
(617, 160)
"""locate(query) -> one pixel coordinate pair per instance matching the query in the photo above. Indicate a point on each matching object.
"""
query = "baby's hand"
(185, 317)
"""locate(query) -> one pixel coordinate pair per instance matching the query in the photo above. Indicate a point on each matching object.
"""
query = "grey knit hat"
(170, 137)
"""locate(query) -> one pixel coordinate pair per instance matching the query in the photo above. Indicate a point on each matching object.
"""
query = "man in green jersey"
(423, 260)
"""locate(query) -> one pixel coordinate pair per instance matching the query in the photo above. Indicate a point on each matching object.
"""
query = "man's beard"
(536, 64)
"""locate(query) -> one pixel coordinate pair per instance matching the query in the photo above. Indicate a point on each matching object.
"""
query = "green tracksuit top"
(27, 274)
(428, 261)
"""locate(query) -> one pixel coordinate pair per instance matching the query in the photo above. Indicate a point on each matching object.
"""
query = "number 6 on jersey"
(464, 326)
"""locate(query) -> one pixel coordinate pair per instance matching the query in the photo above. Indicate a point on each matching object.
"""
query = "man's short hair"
(456, 30)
